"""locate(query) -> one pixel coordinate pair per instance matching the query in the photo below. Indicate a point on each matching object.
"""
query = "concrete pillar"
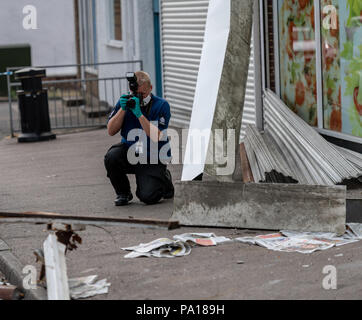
(230, 99)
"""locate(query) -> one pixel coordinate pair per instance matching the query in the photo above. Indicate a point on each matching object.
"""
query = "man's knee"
(110, 159)
(149, 197)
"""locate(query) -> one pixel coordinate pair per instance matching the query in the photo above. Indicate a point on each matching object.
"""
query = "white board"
(211, 65)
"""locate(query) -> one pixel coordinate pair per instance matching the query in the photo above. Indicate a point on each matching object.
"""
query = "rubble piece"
(50, 218)
(39, 256)
(56, 269)
(270, 206)
(9, 292)
(85, 287)
(245, 165)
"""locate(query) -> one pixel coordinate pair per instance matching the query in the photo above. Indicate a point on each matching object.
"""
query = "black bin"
(33, 106)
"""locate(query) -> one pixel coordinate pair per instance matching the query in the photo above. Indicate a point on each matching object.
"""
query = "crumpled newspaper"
(305, 242)
(85, 287)
(178, 247)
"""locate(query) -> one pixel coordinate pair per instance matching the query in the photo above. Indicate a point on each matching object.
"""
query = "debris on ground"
(85, 287)
(285, 240)
(9, 292)
(202, 239)
(304, 242)
(3, 281)
(178, 247)
(159, 248)
(55, 269)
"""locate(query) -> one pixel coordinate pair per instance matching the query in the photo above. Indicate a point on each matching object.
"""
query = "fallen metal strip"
(56, 269)
(47, 218)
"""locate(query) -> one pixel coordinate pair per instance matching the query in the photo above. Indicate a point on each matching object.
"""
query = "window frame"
(112, 42)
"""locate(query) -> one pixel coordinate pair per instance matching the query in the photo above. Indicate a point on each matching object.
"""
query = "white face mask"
(147, 100)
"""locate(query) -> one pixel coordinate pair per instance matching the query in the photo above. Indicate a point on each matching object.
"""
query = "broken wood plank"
(245, 165)
(49, 217)
(10, 293)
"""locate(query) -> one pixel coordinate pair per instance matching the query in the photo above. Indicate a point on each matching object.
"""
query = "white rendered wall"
(53, 43)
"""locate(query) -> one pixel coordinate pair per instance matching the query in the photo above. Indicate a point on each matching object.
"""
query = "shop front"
(318, 64)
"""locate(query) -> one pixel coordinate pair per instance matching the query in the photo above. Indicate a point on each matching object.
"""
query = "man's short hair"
(143, 77)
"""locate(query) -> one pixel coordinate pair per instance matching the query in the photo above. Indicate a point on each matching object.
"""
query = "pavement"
(67, 176)
(4, 120)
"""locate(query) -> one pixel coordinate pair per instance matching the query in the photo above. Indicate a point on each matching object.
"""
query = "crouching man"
(144, 149)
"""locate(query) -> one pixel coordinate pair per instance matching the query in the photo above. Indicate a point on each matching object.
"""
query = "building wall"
(137, 44)
(53, 43)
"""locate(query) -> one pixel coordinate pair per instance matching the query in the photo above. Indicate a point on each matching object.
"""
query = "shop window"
(297, 57)
(342, 65)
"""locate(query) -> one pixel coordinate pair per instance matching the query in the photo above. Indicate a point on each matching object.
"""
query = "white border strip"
(276, 46)
(319, 74)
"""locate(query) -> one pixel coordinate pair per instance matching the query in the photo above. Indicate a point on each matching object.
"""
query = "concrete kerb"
(12, 268)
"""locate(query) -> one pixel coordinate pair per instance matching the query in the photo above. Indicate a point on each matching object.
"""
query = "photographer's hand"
(137, 109)
(123, 102)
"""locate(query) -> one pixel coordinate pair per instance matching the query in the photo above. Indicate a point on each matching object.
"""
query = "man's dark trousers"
(153, 180)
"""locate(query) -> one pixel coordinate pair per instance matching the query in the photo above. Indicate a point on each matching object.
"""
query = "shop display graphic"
(341, 50)
(331, 72)
(298, 58)
(351, 66)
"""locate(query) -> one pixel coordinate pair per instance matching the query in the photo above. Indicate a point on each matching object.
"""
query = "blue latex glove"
(137, 109)
(123, 101)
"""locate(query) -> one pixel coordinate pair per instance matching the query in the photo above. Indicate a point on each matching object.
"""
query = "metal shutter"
(249, 102)
(182, 34)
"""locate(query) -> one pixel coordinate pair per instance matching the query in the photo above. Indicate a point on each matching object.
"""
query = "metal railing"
(79, 100)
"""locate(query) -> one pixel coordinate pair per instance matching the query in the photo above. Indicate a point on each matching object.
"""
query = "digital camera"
(133, 87)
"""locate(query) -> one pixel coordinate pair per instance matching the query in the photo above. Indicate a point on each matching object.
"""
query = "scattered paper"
(178, 247)
(356, 229)
(85, 287)
(285, 241)
(202, 239)
(304, 242)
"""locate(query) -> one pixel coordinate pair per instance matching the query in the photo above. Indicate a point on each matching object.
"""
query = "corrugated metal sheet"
(182, 34)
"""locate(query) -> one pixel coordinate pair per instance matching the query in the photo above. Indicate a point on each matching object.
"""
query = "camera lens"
(131, 104)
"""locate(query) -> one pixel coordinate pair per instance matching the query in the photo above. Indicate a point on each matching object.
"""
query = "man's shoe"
(123, 199)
